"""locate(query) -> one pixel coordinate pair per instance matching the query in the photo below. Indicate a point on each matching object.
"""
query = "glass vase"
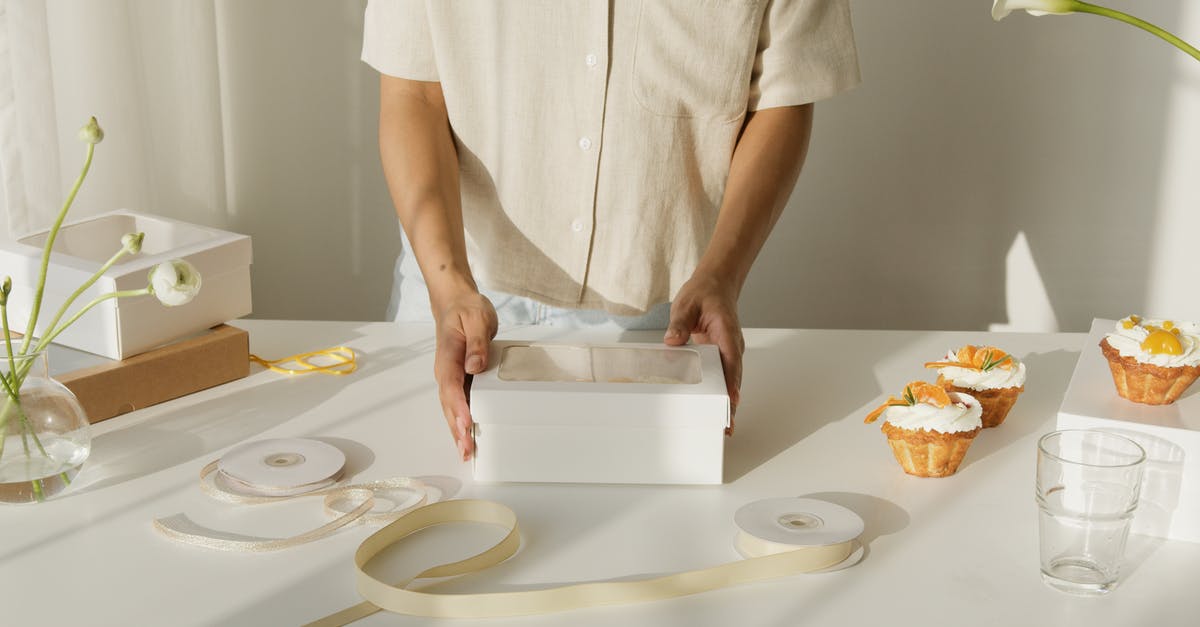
(46, 435)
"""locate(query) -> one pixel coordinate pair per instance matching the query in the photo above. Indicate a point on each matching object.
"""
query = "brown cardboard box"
(112, 388)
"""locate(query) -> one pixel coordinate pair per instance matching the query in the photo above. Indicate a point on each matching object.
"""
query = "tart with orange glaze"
(1153, 361)
(928, 428)
(994, 377)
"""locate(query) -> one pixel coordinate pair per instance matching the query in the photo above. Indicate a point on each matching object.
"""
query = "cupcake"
(1152, 361)
(987, 373)
(929, 429)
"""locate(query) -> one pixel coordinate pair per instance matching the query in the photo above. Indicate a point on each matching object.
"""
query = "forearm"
(421, 168)
(766, 164)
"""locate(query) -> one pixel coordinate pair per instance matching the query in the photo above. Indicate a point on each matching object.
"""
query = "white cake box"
(602, 413)
(1169, 506)
(121, 328)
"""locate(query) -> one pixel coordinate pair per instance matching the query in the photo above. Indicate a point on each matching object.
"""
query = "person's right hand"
(466, 324)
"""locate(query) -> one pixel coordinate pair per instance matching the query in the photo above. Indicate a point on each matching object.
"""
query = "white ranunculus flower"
(1001, 8)
(174, 282)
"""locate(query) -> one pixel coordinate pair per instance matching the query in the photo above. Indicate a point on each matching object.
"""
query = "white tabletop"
(954, 551)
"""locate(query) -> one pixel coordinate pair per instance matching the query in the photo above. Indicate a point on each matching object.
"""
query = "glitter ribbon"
(348, 504)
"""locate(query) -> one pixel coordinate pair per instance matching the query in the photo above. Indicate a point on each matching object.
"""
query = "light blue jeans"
(410, 303)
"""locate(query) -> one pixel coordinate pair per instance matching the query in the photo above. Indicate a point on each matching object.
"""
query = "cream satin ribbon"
(180, 528)
(765, 560)
(397, 598)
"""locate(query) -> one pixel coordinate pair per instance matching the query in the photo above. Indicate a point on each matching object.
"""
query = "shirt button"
(590, 60)
(584, 143)
(576, 226)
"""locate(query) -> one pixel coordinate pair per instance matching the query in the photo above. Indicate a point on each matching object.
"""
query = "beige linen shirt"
(594, 137)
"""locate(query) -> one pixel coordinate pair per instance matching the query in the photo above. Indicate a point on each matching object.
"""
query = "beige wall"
(1034, 172)
(1073, 130)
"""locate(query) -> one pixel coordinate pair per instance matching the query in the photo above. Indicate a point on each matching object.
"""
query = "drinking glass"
(1087, 490)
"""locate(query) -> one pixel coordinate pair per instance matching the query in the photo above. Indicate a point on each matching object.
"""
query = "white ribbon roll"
(347, 504)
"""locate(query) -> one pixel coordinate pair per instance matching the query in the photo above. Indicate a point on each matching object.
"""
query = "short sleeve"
(805, 53)
(397, 40)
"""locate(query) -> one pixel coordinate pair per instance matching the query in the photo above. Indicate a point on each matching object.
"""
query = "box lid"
(120, 328)
(1092, 393)
(82, 246)
(581, 383)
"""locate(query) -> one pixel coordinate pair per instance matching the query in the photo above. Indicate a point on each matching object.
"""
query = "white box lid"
(672, 386)
(81, 247)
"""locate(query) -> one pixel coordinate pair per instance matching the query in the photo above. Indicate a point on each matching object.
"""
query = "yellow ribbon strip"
(397, 598)
(344, 362)
(337, 500)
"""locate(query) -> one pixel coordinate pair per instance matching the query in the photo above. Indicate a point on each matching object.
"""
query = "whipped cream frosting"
(962, 414)
(993, 379)
(1128, 343)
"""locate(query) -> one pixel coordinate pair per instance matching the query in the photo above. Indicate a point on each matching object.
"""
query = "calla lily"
(174, 282)
(1001, 8)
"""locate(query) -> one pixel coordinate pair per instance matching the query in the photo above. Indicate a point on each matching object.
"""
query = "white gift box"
(1169, 506)
(121, 328)
(606, 413)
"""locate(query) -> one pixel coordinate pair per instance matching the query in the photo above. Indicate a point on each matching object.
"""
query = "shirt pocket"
(693, 58)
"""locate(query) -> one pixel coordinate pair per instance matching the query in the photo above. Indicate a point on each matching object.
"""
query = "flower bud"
(5, 289)
(132, 242)
(91, 133)
(174, 282)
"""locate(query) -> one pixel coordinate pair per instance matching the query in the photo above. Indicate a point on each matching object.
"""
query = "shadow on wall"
(965, 133)
(301, 114)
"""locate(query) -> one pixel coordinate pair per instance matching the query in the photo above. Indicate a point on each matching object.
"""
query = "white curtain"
(255, 117)
(29, 150)
(148, 71)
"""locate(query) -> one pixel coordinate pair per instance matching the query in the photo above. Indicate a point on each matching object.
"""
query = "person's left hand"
(705, 309)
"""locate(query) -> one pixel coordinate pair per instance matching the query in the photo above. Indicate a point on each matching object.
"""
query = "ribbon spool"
(269, 471)
(778, 537)
(773, 526)
(282, 467)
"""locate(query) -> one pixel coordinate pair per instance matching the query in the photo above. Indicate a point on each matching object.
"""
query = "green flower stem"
(14, 401)
(45, 341)
(29, 429)
(1084, 7)
(7, 338)
(41, 284)
(11, 397)
(18, 376)
(12, 366)
(10, 403)
(86, 284)
(12, 392)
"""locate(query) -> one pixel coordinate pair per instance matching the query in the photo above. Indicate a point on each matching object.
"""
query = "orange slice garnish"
(915, 392)
(929, 393)
(982, 359)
